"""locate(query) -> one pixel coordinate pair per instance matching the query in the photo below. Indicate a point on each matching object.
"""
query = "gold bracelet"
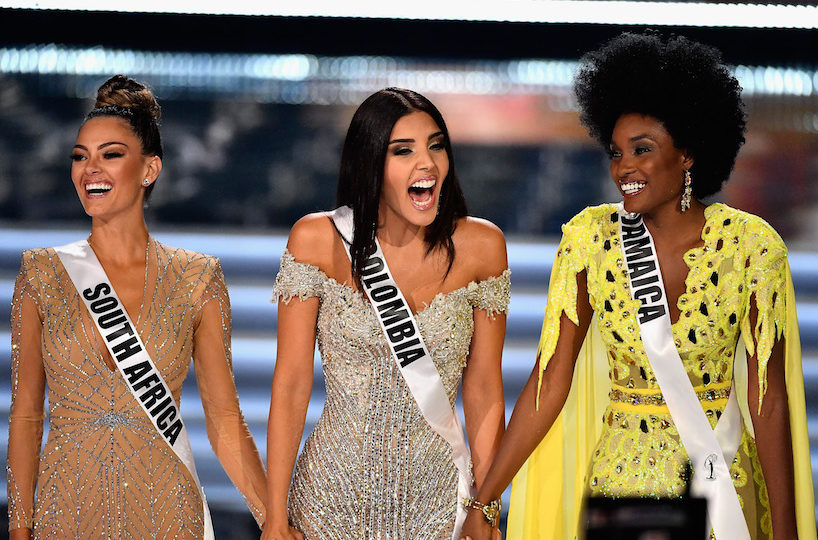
(491, 511)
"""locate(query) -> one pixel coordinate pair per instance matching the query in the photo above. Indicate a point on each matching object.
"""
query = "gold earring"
(688, 191)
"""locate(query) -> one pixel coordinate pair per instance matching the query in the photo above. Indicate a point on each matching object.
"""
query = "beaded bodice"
(740, 257)
(104, 471)
(372, 467)
(740, 260)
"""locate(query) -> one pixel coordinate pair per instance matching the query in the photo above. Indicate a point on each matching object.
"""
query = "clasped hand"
(477, 528)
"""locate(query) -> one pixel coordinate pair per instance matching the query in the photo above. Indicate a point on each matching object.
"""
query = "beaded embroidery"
(741, 258)
(104, 471)
(372, 467)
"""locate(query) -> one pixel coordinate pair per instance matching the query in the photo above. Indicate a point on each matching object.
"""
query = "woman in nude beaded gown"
(105, 471)
(670, 116)
(373, 467)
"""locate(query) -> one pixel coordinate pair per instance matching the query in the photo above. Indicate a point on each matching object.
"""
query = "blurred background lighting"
(318, 79)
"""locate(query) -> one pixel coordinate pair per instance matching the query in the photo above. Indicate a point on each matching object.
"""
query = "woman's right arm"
(530, 422)
(292, 386)
(26, 416)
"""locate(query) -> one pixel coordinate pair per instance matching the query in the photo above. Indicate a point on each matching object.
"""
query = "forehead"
(106, 129)
(631, 125)
(417, 122)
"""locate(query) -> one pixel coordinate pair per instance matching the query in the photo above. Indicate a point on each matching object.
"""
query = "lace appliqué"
(492, 295)
(742, 258)
(295, 279)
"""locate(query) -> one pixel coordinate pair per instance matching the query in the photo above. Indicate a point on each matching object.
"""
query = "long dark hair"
(360, 180)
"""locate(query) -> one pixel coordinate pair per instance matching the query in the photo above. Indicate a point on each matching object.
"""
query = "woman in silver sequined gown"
(372, 467)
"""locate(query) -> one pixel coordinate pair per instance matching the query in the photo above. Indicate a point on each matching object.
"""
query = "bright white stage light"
(528, 11)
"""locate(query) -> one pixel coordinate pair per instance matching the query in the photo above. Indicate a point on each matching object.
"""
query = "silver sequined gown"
(372, 467)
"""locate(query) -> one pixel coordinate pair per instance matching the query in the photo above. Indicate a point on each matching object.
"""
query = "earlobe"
(687, 161)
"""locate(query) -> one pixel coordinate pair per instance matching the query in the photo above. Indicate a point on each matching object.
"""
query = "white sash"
(413, 359)
(135, 364)
(710, 450)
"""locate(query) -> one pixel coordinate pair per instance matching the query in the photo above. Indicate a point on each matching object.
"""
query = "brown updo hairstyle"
(126, 98)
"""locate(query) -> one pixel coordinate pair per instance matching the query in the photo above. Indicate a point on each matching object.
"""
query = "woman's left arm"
(483, 402)
(772, 433)
(228, 432)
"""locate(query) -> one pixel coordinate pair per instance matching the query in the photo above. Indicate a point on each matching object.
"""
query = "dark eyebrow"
(432, 136)
(642, 136)
(103, 145)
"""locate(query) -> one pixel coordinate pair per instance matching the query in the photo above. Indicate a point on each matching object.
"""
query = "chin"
(405, 211)
(636, 206)
(631, 206)
(423, 220)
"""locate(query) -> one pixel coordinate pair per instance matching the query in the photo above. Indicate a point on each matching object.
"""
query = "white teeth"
(104, 186)
(423, 184)
(632, 187)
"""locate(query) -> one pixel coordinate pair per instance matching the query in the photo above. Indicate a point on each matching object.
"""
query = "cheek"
(395, 175)
(443, 166)
(76, 175)
(134, 170)
(389, 190)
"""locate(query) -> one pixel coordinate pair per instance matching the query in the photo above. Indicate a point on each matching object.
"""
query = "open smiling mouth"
(421, 193)
(632, 188)
(98, 188)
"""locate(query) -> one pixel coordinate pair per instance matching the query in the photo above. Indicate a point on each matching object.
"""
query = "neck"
(670, 221)
(117, 241)
(394, 230)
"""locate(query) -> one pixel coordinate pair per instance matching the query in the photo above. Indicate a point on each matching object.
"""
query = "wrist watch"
(491, 511)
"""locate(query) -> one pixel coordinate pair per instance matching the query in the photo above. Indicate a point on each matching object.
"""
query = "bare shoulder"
(481, 246)
(312, 240)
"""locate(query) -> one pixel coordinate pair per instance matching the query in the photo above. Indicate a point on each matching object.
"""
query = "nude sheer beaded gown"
(105, 472)
(372, 467)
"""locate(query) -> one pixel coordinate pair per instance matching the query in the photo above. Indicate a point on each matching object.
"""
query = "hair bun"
(122, 91)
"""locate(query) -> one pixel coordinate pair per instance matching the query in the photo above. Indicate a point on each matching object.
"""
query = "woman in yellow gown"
(671, 117)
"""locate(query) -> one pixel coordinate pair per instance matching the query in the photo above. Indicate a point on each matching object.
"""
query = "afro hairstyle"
(677, 81)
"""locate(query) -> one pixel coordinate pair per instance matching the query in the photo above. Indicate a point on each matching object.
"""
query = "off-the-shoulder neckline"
(438, 297)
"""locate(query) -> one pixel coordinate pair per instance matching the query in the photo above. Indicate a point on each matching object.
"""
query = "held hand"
(281, 532)
(477, 528)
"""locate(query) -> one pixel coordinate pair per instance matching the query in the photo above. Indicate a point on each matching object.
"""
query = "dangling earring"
(688, 191)
(146, 182)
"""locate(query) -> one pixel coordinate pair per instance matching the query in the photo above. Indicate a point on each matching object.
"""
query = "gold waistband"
(651, 397)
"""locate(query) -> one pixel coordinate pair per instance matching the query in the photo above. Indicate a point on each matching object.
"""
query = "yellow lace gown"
(635, 449)
(104, 471)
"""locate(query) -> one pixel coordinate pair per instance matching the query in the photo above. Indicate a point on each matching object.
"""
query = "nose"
(424, 160)
(622, 167)
(92, 165)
